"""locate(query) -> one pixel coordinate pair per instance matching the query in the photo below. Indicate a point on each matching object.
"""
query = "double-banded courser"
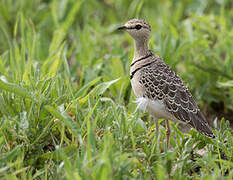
(158, 89)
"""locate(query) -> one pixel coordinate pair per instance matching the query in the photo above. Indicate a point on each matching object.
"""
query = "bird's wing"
(162, 83)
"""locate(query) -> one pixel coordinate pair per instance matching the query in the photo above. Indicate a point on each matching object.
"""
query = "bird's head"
(137, 28)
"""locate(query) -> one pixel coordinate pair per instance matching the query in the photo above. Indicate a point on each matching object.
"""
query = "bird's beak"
(121, 27)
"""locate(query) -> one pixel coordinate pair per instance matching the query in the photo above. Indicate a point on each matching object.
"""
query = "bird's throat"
(140, 48)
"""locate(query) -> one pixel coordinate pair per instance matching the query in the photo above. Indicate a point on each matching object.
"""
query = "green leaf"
(67, 120)
(8, 157)
(101, 88)
(56, 155)
(226, 84)
(52, 64)
(13, 88)
(98, 90)
(85, 88)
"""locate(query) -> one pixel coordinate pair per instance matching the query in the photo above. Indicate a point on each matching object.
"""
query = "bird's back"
(164, 94)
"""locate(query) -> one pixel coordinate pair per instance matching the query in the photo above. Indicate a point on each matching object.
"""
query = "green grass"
(66, 107)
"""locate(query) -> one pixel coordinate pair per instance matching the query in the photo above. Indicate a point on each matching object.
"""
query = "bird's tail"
(201, 124)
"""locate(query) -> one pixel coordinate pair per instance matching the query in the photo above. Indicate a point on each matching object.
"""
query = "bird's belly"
(155, 107)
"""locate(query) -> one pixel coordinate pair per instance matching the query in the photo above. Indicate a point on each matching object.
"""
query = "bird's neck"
(140, 48)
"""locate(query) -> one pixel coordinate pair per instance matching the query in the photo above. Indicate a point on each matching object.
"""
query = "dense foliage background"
(66, 107)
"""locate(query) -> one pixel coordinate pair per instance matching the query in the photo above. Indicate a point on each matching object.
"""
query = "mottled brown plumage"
(161, 83)
(157, 87)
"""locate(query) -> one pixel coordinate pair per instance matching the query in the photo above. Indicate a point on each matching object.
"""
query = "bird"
(158, 89)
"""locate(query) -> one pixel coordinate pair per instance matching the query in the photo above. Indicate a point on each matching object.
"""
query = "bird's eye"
(138, 26)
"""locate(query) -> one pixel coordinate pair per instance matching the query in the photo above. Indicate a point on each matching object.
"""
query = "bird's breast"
(136, 86)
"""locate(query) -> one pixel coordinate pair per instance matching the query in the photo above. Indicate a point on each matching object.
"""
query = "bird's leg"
(157, 135)
(168, 132)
